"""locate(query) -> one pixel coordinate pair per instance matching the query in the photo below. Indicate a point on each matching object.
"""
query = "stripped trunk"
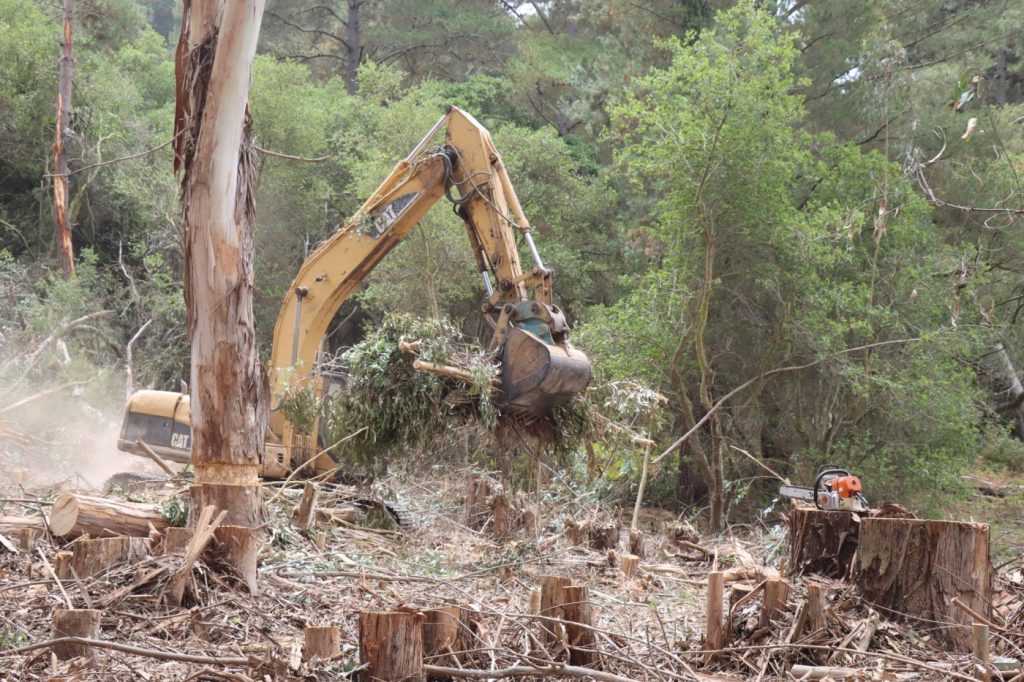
(61, 221)
(215, 153)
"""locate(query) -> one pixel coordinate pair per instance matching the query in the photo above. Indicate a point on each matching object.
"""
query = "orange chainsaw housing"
(846, 486)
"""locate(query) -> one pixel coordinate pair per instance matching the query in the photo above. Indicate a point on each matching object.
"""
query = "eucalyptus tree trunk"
(215, 153)
(61, 221)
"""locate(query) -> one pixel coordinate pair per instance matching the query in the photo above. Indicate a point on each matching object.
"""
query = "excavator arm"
(539, 369)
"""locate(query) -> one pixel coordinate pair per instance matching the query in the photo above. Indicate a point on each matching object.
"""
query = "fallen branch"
(553, 670)
(41, 394)
(126, 649)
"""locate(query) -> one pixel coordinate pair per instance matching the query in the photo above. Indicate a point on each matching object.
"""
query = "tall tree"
(61, 221)
(216, 157)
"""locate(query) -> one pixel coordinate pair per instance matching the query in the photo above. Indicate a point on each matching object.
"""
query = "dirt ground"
(649, 626)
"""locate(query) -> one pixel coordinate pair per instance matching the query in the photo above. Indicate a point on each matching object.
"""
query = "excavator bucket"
(536, 376)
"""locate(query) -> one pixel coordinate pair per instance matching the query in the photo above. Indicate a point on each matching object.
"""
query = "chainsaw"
(833, 489)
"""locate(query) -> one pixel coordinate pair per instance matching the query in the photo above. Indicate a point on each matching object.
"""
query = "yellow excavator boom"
(539, 368)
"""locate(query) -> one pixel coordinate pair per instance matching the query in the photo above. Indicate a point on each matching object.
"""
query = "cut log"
(74, 514)
(94, 557)
(13, 525)
(304, 513)
(629, 565)
(391, 645)
(442, 635)
(579, 622)
(337, 515)
(714, 632)
(83, 623)
(916, 568)
(822, 542)
(321, 641)
(776, 592)
(237, 548)
(321, 540)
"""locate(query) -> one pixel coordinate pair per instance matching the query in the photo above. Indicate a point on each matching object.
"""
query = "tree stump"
(443, 635)
(552, 597)
(503, 513)
(776, 592)
(816, 596)
(579, 622)
(603, 535)
(304, 513)
(237, 548)
(636, 542)
(822, 542)
(629, 565)
(479, 490)
(391, 645)
(25, 538)
(176, 540)
(917, 568)
(75, 515)
(713, 628)
(92, 557)
(75, 623)
(321, 641)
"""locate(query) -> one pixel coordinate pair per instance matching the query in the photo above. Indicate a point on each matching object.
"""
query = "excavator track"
(402, 516)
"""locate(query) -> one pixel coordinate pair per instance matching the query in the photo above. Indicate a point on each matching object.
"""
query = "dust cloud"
(66, 442)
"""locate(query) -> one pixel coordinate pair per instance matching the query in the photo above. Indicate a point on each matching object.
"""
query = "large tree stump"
(75, 515)
(321, 641)
(822, 542)
(579, 623)
(391, 645)
(552, 597)
(92, 557)
(75, 623)
(917, 568)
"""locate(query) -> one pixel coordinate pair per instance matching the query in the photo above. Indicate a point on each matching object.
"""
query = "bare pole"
(61, 220)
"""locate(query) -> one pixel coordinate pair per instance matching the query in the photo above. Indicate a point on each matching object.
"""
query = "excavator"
(539, 368)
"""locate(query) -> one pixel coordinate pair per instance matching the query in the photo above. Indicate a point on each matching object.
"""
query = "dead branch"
(554, 670)
(41, 394)
(126, 649)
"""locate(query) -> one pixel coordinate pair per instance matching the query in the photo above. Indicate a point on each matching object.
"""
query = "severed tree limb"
(155, 457)
(126, 649)
(42, 394)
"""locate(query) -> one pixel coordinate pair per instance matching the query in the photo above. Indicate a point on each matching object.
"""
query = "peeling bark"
(229, 387)
(61, 221)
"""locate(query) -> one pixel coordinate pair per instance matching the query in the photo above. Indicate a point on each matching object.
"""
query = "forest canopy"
(821, 202)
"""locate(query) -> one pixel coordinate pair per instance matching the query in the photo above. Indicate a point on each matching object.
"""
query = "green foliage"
(387, 407)
(175, 511)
